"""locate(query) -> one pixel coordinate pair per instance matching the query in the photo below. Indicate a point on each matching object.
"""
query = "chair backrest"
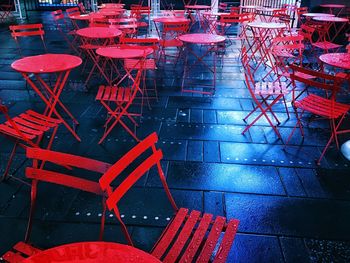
(37, 172)
(72, 11)
(148, 42)
(307, 32)
(178, 28)
(99, 22)
(137, 11)
(289, 43)
(237, 18)
(57, 15)
(82, 8)
(114, 195)
(320, 80)
(235, 9)
(27, 30)
(222, 7)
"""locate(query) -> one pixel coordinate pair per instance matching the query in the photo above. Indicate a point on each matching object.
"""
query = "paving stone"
(225, 177)
(289, 216)
(294, 250)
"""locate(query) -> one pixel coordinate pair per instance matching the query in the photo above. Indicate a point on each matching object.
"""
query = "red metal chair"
(19, 252)
(198, 238)
(150, 64)
(169, 39)
(123, 98)
(69, 178)
(5, 10)
(324, 106)
(265, 95)
(63, 28)
(26, 130)
(222, 7)
(27, 30)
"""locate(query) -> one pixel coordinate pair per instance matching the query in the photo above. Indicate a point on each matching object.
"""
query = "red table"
(84, 17)
(94, 37)
(60, 64)
(197, 10)
(332, 7)
(264, 32)
(210, 42)
(331, 21)
(339, 60)
(93, 252)
(167, 20)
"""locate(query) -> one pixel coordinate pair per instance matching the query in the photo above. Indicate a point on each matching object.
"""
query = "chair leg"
(7, 169)
(32, 208)
(103, 219)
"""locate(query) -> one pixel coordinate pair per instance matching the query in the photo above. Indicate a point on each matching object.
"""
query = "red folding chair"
(222, 7)
(27, 30)
(70, 177)
(198, 239)
(63, 28)
(26, 130)
(122, 98)
(324, 106)
(74, 11)
(150, 64)
(265, 95)
(169, 39)
(5, 10)
(19, 252)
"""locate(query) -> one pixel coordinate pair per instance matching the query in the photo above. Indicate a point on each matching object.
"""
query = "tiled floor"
(290, 209)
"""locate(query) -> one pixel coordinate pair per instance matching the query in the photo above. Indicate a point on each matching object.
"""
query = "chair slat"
(181, 240)
(170, 233)
(197, 239)
(12, 257)
(212, 239)
(63, 179)
(26, 248)
(226, 243)
(100, 91)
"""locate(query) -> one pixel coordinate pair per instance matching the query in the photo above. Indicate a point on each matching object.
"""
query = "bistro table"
(331, 21)
(59, 64)
(333, 7)
(264, 32)
(85, 18)
(92, 252)
(210, 42)
(197, 10)
(94, 37)
(339, 60)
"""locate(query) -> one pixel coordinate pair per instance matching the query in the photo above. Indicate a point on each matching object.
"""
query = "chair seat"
(299, 74)
(192, 235)
(270, 88)
(343, 75)
(323, 107)
(135, 64)
(19, 252)
(114, 93)
(279, 52)
(325, 45)
(30, 123)
(171, 43)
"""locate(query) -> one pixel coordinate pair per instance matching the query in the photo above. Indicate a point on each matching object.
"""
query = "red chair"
(222, 7)
(63, 28)
(69, 178)
(122, 98)
(323, 106)
(5, 10)
(26, 130)
(265, 95)
(19, 252)
(150, 64)
(27, 30)
(198, 238)
(169, 38)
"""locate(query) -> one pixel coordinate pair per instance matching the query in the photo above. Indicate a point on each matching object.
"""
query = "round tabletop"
(198, 7)
(267, 25)
(330, 19)
(316, 14)
(111, 5)
(332, 6)
(47, 63)
(119, 52)
(110, 12)
(339, 60)
(267, 9)
(98, 32)
(202, 38)
(170, 19)
(92, 252)
(209, 13)
(86, 16)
